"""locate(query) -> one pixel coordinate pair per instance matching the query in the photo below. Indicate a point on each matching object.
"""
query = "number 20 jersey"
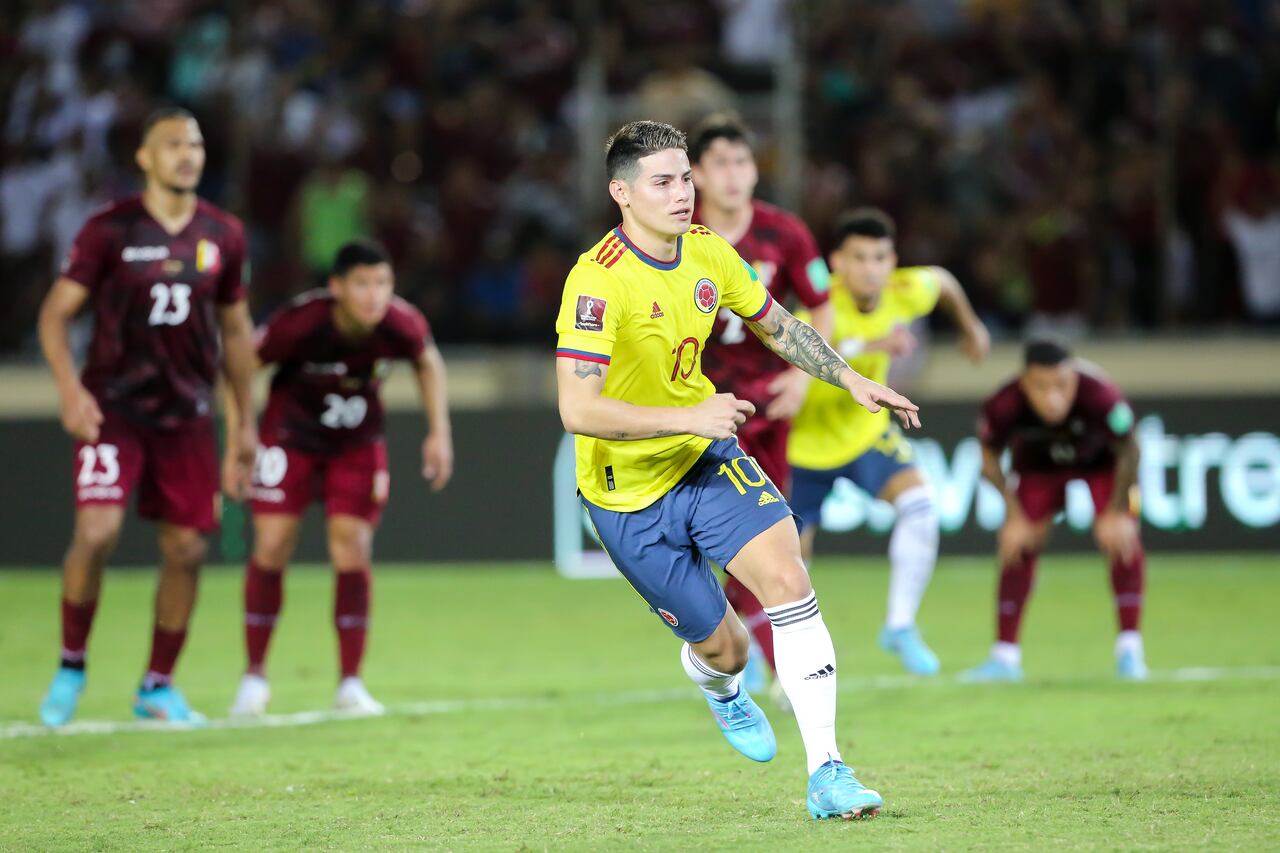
(648, 320)
(324, 393)
(155, 350)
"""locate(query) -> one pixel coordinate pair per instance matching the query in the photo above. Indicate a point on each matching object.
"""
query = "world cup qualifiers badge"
(590, 314)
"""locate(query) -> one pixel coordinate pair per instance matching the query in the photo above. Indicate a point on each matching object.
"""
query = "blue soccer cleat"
(59, 704)
(167, 703)
(1130, 665)
(745, 726)
(755, 677)
(835, 792)
(907, 644)
(993, 669)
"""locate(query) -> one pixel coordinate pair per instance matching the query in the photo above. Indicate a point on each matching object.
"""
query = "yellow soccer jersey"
(648, 320)
(831, 430)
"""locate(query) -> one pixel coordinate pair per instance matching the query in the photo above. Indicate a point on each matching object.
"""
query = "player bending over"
(162, 274)
(322, 440)
(659, 470)
(785, 256)
(1061, 421)
(874, 301)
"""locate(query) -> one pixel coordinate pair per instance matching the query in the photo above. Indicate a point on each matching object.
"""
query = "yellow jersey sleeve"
(744, 294)
(915, 291)
(590, 311)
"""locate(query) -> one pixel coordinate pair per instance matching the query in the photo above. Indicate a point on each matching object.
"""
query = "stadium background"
(1078, 165)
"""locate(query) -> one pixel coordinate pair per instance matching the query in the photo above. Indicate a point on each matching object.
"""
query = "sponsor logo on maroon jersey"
(590, 314)
(705, 295)
(134, 254)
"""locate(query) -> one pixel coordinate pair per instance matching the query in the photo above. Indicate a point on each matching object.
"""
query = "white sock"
(807, 669)
(717, 685)
(1129, 641)
(1007, 653)
(913, 550)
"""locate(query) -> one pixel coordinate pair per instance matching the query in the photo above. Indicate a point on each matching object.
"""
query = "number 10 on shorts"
(736, 471)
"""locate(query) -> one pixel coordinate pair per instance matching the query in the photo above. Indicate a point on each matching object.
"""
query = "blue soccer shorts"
(869, 472)
(665, 550)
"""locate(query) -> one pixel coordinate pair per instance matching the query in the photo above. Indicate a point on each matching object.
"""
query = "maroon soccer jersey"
(324, 394)
(784, 254)
(1084, 441)
(156, 349)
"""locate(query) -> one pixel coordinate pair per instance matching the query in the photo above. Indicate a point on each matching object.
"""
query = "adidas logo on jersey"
(766, 498)
(657, 312)
(826, 671)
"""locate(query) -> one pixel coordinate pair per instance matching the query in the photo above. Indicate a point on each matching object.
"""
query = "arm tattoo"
(799, 344)
(582, 369)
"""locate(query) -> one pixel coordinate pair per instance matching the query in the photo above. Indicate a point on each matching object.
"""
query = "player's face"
(660, 198)
(1051, 390)
(726, 175)
(864, 264)
(364, 293)
(173, 154)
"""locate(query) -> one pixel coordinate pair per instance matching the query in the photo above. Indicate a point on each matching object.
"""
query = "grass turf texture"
(1071, 759)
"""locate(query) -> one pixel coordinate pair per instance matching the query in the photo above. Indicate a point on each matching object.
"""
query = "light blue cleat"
(755, 677)
(745, 726)
(835, 792)
(59, 704)
(166, 703)
(993, 669)
(1130, 666)
(907, 644)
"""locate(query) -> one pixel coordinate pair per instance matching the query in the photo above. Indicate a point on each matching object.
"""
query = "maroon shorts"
(352, 482)
(766, 440)
(175, 471)
(1044, 493)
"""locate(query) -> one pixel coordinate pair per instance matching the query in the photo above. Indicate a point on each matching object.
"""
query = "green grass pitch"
(530, 713)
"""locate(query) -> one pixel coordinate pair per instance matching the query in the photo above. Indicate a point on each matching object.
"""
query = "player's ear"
(333, 284)
(620, 192)
(143, 158)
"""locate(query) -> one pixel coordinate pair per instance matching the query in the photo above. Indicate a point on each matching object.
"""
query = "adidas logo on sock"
(765, 499)
(822, 673)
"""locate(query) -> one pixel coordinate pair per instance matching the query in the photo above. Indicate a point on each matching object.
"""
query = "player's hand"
(873, 396)
(237, 464)
(81, 417)
(1116, 533)
(975, 342)
(437, 459)
(788, 389)
(899, 343)
(719, 416)
(1017, 536)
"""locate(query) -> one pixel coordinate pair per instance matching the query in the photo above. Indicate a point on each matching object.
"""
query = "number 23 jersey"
(648, 320)
(324, 393)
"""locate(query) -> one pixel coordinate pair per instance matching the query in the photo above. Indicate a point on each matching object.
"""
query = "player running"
(785, 256)
(659, 470)
(1062, 421)
(162, 273)
(322, 439)
(832, 437)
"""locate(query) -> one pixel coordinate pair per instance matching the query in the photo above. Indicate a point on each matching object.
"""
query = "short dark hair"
(1045, 352)
(635, 140)
(164, 113)
(358, 253)
(726, 126)
(865, 222)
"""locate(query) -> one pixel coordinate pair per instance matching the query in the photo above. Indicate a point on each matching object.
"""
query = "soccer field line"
(13, 730)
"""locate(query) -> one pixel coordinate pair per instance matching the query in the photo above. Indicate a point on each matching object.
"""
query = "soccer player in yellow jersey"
(659, 469)
(874, 301)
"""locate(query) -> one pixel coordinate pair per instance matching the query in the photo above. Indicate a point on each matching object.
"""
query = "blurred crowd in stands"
(1079, 164)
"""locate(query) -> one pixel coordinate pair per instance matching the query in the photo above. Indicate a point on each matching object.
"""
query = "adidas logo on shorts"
(765, 499)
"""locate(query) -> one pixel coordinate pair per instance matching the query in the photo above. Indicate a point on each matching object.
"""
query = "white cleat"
(252, 697)
(352, 696)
